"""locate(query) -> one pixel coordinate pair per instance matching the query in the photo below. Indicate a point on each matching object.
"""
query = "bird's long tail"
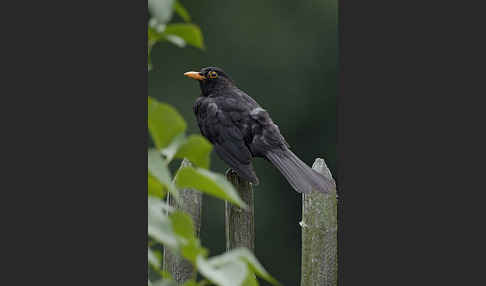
(300, 176)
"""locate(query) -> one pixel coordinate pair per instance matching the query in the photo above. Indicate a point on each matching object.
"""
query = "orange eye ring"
(213, 74)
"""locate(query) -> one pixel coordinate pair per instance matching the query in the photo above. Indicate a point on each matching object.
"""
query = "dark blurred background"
(284, 54)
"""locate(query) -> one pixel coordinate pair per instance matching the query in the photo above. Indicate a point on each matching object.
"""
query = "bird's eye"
(213, 74)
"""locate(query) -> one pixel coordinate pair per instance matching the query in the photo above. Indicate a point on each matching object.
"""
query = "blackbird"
(240, 129)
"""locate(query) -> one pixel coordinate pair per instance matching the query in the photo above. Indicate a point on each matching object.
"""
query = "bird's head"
(211, 79)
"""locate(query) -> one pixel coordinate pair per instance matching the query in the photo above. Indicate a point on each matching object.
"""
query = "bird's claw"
(230, 172)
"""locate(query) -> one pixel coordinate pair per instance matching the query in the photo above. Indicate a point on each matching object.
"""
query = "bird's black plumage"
(240, 129)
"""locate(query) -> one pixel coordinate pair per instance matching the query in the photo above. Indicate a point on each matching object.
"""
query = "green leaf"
(208, 182)
(170, 151)
(184, 228)
(159, 226)
(164, 123)
(161, 10)
(180, 34)
(181, 11)
(190, 283)
(154, 34)
(182, 224)
(232, 273)
(158, 169)
(190, 33)
(155, 188)
(203, 283)
(166, 275)
(176, 40)
(247, 256)
(250, 280)
(164, 282)
(193, 249)
(153, 259)
(159, 204)
(196, 149)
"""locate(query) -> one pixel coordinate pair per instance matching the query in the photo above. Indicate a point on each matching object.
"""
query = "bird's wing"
(268, 136)
(227, 138)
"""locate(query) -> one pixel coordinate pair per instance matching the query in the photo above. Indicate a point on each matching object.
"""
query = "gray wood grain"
(239, 223)
(191, 203)
(319, 234)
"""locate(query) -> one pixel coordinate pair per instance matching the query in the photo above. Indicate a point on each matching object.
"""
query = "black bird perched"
(240, 129)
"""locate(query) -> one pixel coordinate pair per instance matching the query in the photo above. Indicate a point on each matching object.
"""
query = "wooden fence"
(319, 229)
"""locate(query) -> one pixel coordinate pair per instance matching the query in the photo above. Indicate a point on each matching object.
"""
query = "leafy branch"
(179, 34)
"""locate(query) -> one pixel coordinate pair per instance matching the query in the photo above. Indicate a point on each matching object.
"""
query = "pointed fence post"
(191, 203)
(239, 223)
(319, 234)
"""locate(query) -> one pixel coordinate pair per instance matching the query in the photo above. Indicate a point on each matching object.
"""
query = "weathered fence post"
(191, 203)
(319, 234)
(239, 223)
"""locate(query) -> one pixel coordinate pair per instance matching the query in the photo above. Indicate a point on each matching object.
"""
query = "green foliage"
(173, 228)
(181, 11)
(251, 280)
(245, 255)
(165, 282)
(164, 123)
(209, 183)
(158, 170)
(183, 225)
(186, 33)
(195, 148)
(176, 231)
(161, 10)
(159, 225)
(190, 283)
(231, 273)
(167, 128)
(179, 34)
(155, 188)
(154, 259)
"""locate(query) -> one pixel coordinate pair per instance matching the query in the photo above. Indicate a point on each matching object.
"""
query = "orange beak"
(194, 75)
